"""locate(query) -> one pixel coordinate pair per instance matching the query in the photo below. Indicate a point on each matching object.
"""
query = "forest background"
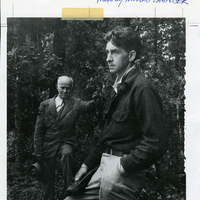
(41, 49)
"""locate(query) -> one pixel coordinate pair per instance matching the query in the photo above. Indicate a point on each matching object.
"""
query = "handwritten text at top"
(144, 1)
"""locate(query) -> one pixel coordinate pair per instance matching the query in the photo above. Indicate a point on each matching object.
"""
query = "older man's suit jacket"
(52, 129)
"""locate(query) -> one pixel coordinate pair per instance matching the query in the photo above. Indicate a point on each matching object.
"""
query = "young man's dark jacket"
(51, 129)
(134, 124)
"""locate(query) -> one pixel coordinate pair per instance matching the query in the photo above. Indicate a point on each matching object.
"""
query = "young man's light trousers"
(108, 183)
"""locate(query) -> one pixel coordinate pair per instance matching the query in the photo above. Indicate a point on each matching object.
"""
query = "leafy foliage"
(39, 50)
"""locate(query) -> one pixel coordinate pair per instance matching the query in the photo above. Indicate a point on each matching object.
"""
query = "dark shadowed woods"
(39, 50)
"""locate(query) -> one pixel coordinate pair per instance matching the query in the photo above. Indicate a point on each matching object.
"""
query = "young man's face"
(117, 58)
(64, 87)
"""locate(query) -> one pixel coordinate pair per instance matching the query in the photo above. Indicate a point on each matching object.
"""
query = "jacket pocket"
(119, 116)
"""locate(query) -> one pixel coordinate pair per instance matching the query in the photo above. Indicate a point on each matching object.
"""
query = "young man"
(55, 132)
(134, 136)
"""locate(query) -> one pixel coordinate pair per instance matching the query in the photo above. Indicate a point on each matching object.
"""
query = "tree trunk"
(18, 136)
(155, 41)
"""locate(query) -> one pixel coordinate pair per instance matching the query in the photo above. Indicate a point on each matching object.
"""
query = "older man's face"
(117, 58)
(64, 87)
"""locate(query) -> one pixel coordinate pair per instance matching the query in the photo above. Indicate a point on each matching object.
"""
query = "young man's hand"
(81, 172)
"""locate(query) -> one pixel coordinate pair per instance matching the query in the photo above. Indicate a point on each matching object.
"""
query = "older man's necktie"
(60, 110)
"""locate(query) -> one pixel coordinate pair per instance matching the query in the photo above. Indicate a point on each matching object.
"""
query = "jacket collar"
(129, 79)
(126, 82)
(118, 81)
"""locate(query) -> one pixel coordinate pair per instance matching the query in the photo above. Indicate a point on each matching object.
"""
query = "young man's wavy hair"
(126, 38)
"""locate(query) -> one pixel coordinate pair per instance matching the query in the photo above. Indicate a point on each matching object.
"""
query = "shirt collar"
(58, 101)
(118, 81)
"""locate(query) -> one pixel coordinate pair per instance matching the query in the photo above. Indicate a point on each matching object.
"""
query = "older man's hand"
(38, 158)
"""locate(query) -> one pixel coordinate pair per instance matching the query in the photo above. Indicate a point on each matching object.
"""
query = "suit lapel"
(67, 107)
(52, 107)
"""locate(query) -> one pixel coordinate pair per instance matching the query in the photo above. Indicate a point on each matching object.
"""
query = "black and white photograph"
(96, 109)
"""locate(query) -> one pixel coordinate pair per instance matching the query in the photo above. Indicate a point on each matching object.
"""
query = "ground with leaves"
(21, 187)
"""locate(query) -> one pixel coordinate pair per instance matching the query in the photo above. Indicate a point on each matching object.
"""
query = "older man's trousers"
(108, 183)
(65, 154)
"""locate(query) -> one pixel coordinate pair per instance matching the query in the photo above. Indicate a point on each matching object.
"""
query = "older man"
(55, 132)
(134, 135)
